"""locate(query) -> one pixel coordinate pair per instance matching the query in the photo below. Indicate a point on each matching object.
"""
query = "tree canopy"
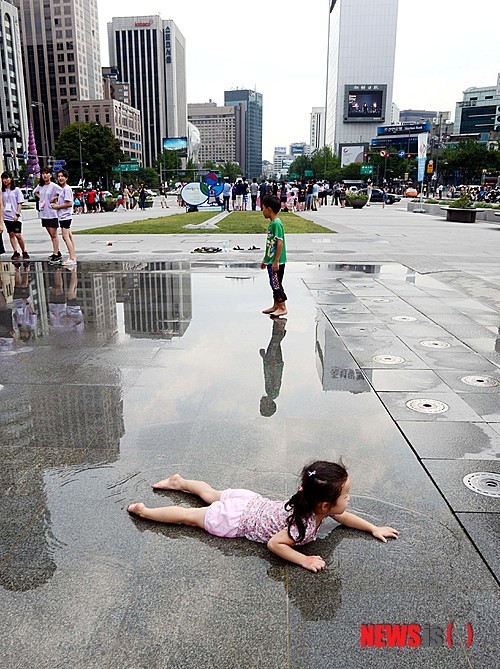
(100, 151)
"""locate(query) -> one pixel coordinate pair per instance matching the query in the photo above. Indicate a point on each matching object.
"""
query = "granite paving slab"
(484, 530)
(452, 440)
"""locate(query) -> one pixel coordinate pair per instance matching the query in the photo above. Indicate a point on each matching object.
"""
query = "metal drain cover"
(427, 406)
(404, 319)
(431, 343)
(335, 307)
(389, 359)
(363, 328)
(380, 299)
(480, 381)
(484, 483)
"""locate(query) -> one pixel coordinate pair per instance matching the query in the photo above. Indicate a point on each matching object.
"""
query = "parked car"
(377, 196)
(411, 192)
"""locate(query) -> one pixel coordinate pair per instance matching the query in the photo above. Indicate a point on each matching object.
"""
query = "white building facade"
(317, 129)
(13, 114)
(360, 70)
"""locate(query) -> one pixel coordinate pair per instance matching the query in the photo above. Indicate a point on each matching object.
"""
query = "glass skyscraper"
(249, 129)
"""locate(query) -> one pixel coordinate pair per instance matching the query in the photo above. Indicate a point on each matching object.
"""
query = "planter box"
(357, 202)
(460, 215)
(148, 204)
(109, 206)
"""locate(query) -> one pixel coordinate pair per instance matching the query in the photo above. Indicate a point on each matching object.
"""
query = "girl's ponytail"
(320, 482)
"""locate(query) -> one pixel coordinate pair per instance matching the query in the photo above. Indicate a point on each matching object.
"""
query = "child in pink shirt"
(323, 492)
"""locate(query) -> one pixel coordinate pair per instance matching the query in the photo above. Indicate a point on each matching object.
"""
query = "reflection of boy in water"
(24, 315)
(273, 368)
(64, 310)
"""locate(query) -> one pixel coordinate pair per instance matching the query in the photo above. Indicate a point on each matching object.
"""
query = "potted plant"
(109, 204)
(461, 210)
(149, 202)
(356, 200)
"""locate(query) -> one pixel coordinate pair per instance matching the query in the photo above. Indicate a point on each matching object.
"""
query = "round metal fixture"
(380, 299)
(363, 328)
(389, 359)
(480, 381)
(336, 307)
(484, 483)
(403, 319)
(431, 343)
(427, 406)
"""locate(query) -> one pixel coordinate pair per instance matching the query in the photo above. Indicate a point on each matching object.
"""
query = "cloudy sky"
(279, 47)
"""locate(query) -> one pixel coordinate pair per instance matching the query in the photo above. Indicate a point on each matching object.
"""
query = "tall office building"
(13, 114)
(478, 112)
(150, 55)
(61, 59)
(317, 129)
(217, 126)
(249, 137)
(360, 70)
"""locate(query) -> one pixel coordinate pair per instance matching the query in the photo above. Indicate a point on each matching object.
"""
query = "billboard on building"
(351, 154)
(179, 144)
(364, 103)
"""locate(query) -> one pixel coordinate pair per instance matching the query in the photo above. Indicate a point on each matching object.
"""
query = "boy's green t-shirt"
(274, 231)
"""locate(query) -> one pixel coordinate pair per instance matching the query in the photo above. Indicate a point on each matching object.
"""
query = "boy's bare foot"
(171, 483)
(137, 508)
(279, 312)
(269, 311)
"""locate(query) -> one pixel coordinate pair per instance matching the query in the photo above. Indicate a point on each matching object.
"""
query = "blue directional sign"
(59, 163)
(401, 154)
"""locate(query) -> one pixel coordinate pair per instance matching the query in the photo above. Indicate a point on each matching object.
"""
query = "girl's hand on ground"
(383, 532)
(314, 563)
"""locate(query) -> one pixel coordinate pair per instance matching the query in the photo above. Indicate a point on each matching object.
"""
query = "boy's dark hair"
(6, 175)
(320, 482)
(64, 173)
(273, 202)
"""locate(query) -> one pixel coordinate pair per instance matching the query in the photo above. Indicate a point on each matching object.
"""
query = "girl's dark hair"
(320, 482)
(45, 170)
(6, 175)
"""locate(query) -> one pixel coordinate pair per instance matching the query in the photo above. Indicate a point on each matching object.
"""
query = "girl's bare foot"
(279, 312)
(269, 311)
(171, 483)
(137, 508)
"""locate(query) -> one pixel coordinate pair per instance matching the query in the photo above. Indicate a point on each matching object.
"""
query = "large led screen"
(364, 103)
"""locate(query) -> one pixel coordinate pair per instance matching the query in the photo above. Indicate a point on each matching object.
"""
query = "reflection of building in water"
(336, 367)
(7, 281)
(97, 295)
(347, 267)
(159, 302)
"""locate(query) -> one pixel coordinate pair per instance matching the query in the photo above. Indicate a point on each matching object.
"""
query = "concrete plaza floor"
(150, 360)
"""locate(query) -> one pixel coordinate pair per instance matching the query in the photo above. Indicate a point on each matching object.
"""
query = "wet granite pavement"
(135, 369)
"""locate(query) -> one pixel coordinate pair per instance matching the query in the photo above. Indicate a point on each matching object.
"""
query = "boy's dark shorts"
(13, 226)
(66, 224)
(50, 223)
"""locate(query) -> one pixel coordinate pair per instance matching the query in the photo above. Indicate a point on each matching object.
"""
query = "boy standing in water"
(275, 256)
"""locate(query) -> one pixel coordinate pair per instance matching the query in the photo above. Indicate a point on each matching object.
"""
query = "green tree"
(325, 164)
(468, 159)
(100, 152)
(191, 171)
(146, 175)
(210, 165)
(170, 165)
(300, 165)
(231, 171)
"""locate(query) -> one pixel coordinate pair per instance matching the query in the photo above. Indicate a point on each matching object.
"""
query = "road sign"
(294, 175)
(383, 153)
(401, 154)
(308, 173)
(59, 163)
(126, 167)
(366, 169)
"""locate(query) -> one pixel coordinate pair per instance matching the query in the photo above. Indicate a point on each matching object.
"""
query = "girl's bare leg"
(200, 488)
(170, 514)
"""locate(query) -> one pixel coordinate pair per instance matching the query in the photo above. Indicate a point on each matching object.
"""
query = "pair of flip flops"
(207, 249)
(251, 248)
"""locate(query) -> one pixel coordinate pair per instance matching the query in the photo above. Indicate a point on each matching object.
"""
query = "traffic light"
(408, 155)
(365, 156)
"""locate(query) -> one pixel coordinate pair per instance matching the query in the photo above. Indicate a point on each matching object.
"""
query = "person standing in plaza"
(254, 191)
(63, 204)
(12, 217)
(226, 194)
(275, 256)
(46, 191)
(239, 195)
(142, 196)
(262, 192)
(126, 197)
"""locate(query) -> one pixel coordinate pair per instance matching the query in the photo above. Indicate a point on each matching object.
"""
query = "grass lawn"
(238, 222)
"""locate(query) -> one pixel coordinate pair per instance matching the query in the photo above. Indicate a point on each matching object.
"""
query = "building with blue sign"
(150, 55)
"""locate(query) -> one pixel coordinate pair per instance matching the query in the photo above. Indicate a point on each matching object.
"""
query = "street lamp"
(42, 105)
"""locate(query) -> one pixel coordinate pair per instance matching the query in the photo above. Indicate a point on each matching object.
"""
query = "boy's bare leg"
(200, 488)
(170, 514)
